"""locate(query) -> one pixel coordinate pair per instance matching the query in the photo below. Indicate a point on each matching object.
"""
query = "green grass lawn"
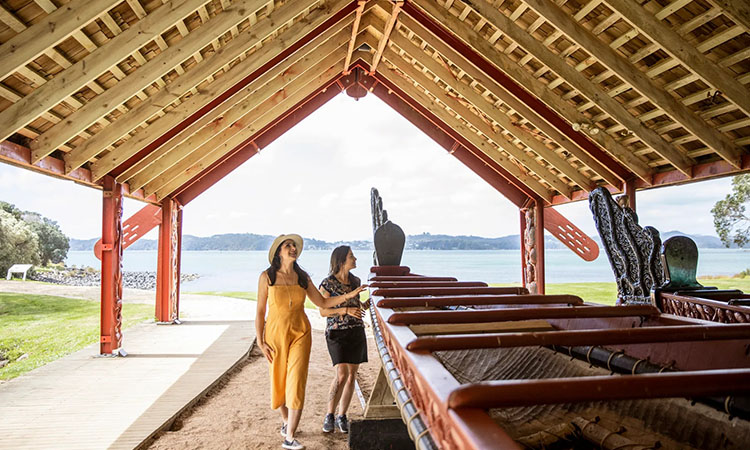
(47, 328)
(605, 293)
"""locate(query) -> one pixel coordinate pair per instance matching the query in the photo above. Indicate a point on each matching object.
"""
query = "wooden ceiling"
(557, 97)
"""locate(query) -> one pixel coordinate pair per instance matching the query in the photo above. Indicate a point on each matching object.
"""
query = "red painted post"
(522, 222)
(179, 262)
(110, 340)
(166, 283)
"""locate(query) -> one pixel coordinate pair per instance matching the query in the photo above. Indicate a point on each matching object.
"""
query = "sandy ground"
(237, 413)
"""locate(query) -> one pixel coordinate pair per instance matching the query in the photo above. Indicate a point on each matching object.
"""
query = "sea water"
(239, 271)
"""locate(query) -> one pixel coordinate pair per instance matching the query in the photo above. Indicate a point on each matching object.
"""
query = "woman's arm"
(327, 312)
(322, 302)
(260, 317)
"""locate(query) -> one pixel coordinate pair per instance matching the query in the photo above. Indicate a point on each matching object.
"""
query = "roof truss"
(546, 99)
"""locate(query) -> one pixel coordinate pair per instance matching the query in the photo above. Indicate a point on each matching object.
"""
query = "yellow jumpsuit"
(287, 332)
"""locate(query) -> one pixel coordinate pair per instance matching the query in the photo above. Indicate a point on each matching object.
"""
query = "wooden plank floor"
(84, 401)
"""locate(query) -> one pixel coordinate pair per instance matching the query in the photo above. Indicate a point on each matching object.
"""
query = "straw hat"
(296, 238)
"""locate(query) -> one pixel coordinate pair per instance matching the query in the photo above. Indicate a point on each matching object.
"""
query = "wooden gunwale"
(418, 292)
(429, 284)
(474, 300)
(569, 312)
(678, 333)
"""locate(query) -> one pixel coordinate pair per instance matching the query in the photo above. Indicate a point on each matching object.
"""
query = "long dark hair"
(276, 265)
(338, 258)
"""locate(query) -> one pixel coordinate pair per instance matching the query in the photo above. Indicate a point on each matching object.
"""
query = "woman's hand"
(267, 351)
(353, 311)
(366, 304)
(355, 292)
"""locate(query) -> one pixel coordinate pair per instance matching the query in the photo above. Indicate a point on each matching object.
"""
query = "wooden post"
(522, 221)
(167, 272)
(539, 224)
(532, 247)
(110, 341)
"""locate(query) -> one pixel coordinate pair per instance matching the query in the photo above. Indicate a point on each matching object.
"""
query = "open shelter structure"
(543, 99)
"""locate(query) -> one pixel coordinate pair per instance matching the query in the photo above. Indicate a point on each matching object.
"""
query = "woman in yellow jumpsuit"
(284, 336)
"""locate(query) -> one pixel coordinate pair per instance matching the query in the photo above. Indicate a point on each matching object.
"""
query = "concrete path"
(85, 401)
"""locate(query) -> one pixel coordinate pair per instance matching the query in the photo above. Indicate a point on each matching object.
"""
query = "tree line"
(27, 237)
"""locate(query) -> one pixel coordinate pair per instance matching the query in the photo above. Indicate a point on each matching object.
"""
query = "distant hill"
(424, 241)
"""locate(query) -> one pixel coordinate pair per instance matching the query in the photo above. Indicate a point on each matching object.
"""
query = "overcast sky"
(315, 180)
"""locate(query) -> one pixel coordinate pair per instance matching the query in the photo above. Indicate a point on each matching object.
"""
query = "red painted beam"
(463, 150)
(410, 278)
(519, 92)
(473, 300)
(421, 292)
(420, 284)
(137, 225)
(390, 270)
(501, 315)
(234, 89)
(573, 338)
(20, 156)
(704, 171)
(502, 394)
(236, 157)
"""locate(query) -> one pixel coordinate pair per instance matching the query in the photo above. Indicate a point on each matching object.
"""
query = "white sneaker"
(283, 431)
(292, 445)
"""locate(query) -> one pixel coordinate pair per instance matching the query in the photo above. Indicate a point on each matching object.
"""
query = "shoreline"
(73, 276)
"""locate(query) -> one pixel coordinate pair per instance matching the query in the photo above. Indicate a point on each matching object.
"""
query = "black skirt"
(347, 346)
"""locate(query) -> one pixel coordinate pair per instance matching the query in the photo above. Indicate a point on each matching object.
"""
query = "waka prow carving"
(388, 237)
(633, 251)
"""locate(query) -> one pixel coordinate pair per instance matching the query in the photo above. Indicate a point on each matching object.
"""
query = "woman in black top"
(345, 336)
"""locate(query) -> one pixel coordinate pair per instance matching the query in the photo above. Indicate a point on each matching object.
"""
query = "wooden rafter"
(271, 82)
(31, 42)
(619, 65)
(355, 31)
(387, 30)
(88, 69)
(687, 54)
(576, 79)
(737, 10)
(143, 76)
(492, 112)
(485, 146)
(607, 173)
(554, 96)
(265, 114)
(531, 84)
(494, 138)
(331, 39)
(201, 71)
